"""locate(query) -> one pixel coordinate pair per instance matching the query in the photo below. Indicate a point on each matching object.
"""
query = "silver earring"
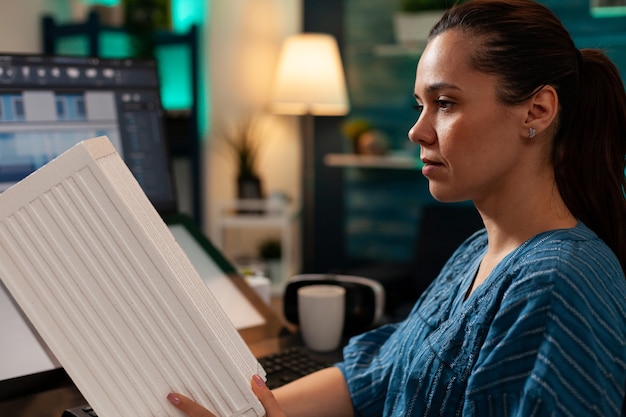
(532, 132)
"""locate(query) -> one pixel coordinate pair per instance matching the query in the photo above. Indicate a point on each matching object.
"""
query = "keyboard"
(289, 365)
(281, 368)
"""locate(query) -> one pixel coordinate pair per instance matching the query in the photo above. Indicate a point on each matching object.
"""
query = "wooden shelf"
(370, 161)
(398, 50)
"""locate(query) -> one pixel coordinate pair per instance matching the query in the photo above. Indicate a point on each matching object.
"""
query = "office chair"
(443, 227)
(440, 230)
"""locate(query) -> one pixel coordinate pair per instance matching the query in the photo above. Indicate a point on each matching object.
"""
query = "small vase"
(275, 271)
(371, 142)
(249, 188)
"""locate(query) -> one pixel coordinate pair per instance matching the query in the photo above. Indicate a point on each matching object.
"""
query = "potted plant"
(270, 251)
(243, 141)
(364, 138)
(415, 18)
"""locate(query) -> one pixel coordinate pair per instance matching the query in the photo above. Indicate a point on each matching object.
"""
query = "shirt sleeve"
(556, 347)
(366, 367)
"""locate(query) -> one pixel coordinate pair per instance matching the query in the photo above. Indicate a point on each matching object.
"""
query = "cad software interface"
(48, 104)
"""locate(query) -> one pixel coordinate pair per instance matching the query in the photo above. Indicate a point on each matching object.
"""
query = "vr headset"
(365, 299)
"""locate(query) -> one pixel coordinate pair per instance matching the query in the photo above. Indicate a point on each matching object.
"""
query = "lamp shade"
(309, 77)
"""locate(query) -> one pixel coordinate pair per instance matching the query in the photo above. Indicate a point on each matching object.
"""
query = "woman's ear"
(542, 109)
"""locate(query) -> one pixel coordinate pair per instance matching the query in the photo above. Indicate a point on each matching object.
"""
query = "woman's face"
(470, 143)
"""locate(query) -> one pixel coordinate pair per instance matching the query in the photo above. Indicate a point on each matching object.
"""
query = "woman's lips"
(429, 166)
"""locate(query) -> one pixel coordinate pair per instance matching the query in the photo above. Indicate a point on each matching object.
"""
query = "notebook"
(111, 292)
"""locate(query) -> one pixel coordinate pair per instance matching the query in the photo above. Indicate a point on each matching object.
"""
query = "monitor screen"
(48, 104)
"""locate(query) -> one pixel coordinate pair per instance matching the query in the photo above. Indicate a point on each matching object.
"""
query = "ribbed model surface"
(98, 273)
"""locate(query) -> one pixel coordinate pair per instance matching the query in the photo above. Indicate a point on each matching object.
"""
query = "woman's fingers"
(188, 406)
(266, 397)
(263, 393)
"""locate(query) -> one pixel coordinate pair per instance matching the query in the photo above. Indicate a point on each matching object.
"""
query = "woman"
(528, 317)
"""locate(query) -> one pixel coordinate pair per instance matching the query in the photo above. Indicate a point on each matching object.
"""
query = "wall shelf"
(399, 50)
(371, 161)
(247, 215)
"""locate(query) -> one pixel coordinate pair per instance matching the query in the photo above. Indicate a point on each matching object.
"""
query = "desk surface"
(45, 404)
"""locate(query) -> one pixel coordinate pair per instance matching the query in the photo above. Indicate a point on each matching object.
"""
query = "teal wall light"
(108, 3)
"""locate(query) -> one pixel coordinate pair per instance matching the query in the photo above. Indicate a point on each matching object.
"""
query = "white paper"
(237, 307)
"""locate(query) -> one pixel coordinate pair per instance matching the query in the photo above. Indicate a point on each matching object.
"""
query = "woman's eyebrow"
(438, 86)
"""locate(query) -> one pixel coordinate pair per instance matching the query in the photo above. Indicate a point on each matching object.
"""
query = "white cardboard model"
(98, 273)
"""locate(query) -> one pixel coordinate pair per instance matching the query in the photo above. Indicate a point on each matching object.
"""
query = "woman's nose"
(420, 132)
(412, 134)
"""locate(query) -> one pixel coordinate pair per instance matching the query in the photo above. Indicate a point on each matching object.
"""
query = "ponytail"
(590, 152)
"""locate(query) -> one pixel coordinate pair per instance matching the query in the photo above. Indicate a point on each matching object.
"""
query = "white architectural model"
(98, 273)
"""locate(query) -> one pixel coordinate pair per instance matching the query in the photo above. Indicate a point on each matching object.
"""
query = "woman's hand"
(263, 393)
(266, 397)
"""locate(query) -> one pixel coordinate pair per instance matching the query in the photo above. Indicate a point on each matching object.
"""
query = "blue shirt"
(544, 335)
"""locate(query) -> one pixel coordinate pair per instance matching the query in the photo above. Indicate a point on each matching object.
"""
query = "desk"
(45, 404)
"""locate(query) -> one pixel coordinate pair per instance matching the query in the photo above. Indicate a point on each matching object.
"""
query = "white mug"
(321, 310)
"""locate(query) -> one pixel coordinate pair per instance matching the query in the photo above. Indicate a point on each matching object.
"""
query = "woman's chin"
(444, 195)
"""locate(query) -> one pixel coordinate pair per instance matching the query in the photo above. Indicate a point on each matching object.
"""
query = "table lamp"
(309, 81)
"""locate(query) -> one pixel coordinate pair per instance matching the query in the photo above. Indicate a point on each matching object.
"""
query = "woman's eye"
(444, 104)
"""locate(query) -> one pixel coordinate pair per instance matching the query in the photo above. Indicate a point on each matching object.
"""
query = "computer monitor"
(47, 104)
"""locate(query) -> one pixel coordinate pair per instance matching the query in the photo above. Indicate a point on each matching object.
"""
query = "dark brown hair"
(527, 47)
